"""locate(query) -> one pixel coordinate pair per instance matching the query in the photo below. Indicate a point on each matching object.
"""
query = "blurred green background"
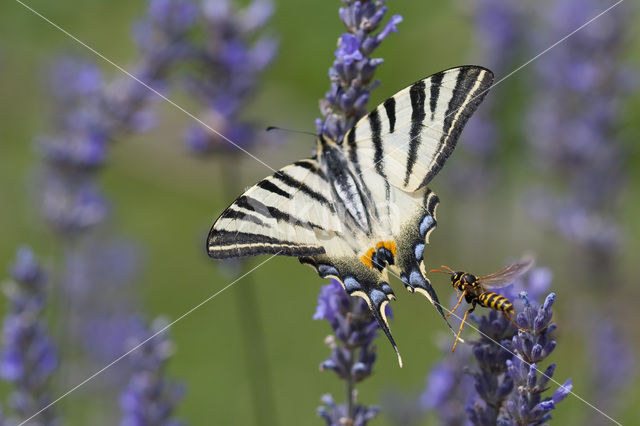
(166, 200)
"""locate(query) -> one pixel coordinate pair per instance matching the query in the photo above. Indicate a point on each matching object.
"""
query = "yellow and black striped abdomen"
(495, 301)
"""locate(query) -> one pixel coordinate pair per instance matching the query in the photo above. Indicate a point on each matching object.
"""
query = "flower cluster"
(228, 64)
(150, 398)
(525, 404)
(508, 372)
(496, 388)
(28, 356)
(352, 351)
(353, 69)
(90, 112)
(335, 415)
(573, 122)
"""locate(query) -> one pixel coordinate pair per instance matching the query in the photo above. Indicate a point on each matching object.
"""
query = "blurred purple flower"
(150, 398)
(28, 357)
(91, 112)
(448, 388)
(499, 42)
(572, 127)
(338, 415)
(227, 66)
(352, 351)
(352, 71)
(608, 346)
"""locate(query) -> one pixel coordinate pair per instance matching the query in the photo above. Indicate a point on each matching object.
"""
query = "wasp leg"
(462, 325)
(451, 312)
(514, 323)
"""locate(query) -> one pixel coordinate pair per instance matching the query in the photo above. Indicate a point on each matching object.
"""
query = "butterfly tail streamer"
(359, 280)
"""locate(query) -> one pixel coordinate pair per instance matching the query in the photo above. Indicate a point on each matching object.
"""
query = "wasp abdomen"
(495, 301)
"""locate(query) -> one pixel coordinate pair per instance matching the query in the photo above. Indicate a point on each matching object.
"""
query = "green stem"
(350, 389)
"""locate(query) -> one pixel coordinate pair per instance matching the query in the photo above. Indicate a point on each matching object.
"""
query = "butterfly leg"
(466, 314)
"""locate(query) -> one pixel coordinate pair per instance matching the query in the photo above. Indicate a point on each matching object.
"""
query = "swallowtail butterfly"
(361, 206)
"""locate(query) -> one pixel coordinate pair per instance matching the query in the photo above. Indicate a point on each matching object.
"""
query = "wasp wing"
(506, 275)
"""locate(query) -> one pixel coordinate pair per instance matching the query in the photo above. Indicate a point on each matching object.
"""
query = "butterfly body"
(361, 207)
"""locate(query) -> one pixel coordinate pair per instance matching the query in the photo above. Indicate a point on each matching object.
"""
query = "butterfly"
(361, 206)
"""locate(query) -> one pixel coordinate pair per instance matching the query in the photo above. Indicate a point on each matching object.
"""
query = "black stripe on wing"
(472, 84)
(418, 97)
(304, 188)
(436, 81)
(390, 108)
(225, 244)
(280, 214)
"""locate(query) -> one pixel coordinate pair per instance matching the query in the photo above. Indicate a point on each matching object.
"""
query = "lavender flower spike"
(352, 351)
(149, 398)
(352, 71)
(508, 387)
(525, 404)
(235, 52)
(28, 356)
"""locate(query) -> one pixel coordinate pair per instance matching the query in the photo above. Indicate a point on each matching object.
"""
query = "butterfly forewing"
(290, 212)
(409, 137)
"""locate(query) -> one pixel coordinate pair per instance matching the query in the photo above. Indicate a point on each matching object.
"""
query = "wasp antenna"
(447, 268)
(438, 270)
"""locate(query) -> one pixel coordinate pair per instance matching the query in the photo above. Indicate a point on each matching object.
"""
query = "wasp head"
(456, 279)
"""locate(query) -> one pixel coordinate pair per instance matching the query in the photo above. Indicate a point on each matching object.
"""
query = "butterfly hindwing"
(359, 280)
(409, 137)
(411, 241)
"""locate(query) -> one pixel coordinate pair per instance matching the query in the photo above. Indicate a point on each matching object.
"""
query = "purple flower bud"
(28, 357)
(149, 397)
(389, 28)
(348, 49)
(562, 392)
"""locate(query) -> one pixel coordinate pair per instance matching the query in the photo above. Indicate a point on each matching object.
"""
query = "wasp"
(476, 290)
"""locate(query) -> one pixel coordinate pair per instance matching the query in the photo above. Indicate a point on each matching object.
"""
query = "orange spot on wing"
(366, 258)
(389, 245)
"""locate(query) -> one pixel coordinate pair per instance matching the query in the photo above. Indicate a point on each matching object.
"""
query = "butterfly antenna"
(270, 128)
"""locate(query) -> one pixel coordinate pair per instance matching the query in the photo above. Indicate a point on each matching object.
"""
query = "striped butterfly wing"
(290, 213)
(408, 138)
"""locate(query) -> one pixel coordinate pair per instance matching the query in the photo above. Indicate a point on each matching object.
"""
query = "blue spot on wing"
(377, 297)
(415, 279)
(419, 250)
(325, 270)
(351, 284)
(427, 223)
